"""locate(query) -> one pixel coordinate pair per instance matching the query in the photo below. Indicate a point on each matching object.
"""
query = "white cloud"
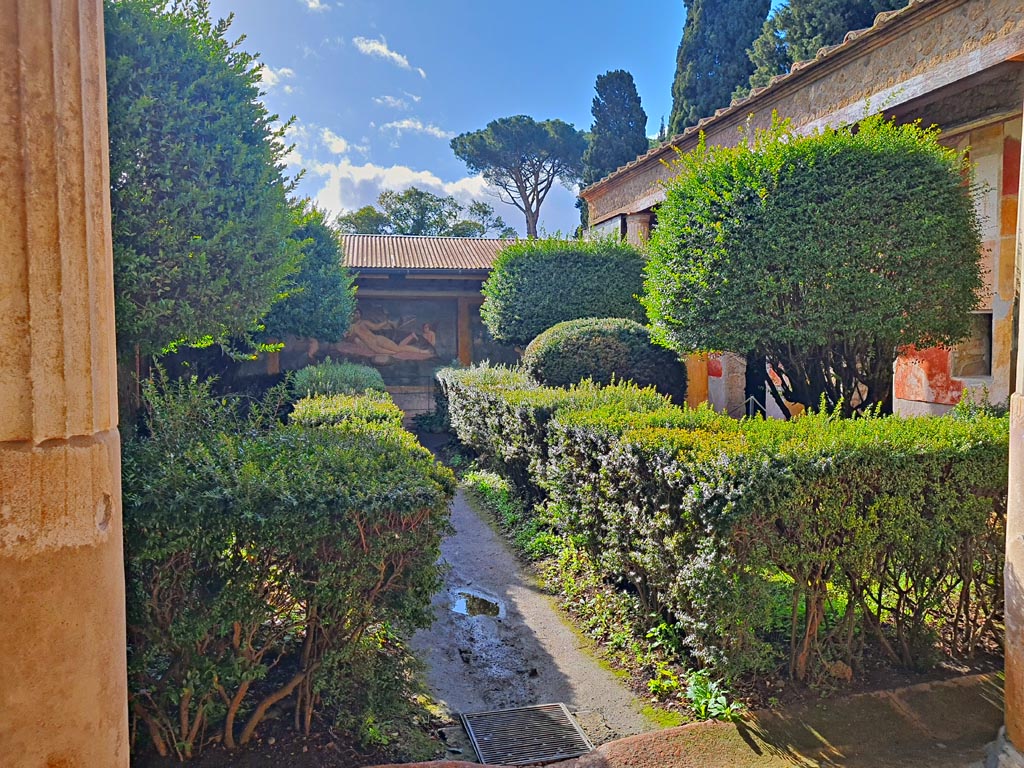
(335, 143)
(391, 101)
(380, 50)
(347, 186)
(317, 5)
(274, 77)
(413, 96)
(344, 186)
(413, 125)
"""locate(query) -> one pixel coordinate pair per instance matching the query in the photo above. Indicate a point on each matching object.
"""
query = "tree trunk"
(531, 224)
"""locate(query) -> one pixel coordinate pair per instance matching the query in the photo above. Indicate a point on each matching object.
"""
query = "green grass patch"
(663, 718)
(528, 530)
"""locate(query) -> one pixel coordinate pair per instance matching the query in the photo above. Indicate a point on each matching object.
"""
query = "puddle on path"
(469, 602)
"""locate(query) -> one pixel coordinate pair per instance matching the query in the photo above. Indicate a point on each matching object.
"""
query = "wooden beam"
(364, 293)
(465, 334)
(479, 277)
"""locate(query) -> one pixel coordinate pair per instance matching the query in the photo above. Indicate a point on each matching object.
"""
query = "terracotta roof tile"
(417, 252)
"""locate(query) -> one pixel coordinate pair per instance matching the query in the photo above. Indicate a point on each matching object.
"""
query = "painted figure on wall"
(383, 339)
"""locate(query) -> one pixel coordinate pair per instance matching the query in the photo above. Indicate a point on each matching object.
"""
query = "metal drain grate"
(526, 735)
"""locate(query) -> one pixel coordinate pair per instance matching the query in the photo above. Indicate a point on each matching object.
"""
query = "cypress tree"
(797, 30)
(618, 134)
(712, 59)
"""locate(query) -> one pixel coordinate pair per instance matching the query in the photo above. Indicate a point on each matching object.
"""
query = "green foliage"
(709, 700)
(523, 158)
(503, 416)
(201, 222)
(821, 253)
(665, 681)
(619, 131)
(330, 378)
(746, 543)
(797, 30)
(604, 350)
(538, 283)
(365, 221)
(332, 410)
(320, 303)
(530, 534)
(254, 547)
(974, 404)
(415, 212)
(712, 57)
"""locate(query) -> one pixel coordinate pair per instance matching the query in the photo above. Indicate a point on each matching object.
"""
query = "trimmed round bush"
(341, 378)
(536, 284)
(823, 253)
(604, 349)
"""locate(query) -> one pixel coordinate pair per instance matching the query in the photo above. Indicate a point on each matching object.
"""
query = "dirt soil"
(278, 746)
(524, 655)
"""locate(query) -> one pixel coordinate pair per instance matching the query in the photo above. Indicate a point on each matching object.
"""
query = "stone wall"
(934, 380)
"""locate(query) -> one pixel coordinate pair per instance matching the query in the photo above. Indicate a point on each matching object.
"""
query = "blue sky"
(379, 88)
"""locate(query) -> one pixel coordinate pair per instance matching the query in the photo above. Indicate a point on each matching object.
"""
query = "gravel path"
(524, 655)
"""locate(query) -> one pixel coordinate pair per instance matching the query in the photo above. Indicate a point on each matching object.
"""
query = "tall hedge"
(824, 254)
(201, 223)
(765, 543)
(537, 283)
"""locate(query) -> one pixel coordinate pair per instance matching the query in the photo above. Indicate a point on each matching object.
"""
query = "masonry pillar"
(638, 227)
(1007, 754)
(63, 696)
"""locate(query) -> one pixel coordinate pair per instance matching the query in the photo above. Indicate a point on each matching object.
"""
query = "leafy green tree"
(320, 303)
(482, 221)
(201, 220)
(365, 221)
(523, 158)
(712, 58)
(619, 132)
(824, 254)
(798, 29)
(416, 212)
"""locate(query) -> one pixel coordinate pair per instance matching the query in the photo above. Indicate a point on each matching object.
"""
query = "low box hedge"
(804, 543)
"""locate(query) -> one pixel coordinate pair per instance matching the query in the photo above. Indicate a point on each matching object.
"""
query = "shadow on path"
(525, 656)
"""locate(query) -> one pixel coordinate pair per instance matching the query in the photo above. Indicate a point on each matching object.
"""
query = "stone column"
(63, 692)
(638, 227)
(1005, 755)
(696, 380)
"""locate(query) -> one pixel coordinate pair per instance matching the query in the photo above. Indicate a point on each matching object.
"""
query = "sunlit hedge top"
(538, 283)
(330, 378)
(328, 410)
